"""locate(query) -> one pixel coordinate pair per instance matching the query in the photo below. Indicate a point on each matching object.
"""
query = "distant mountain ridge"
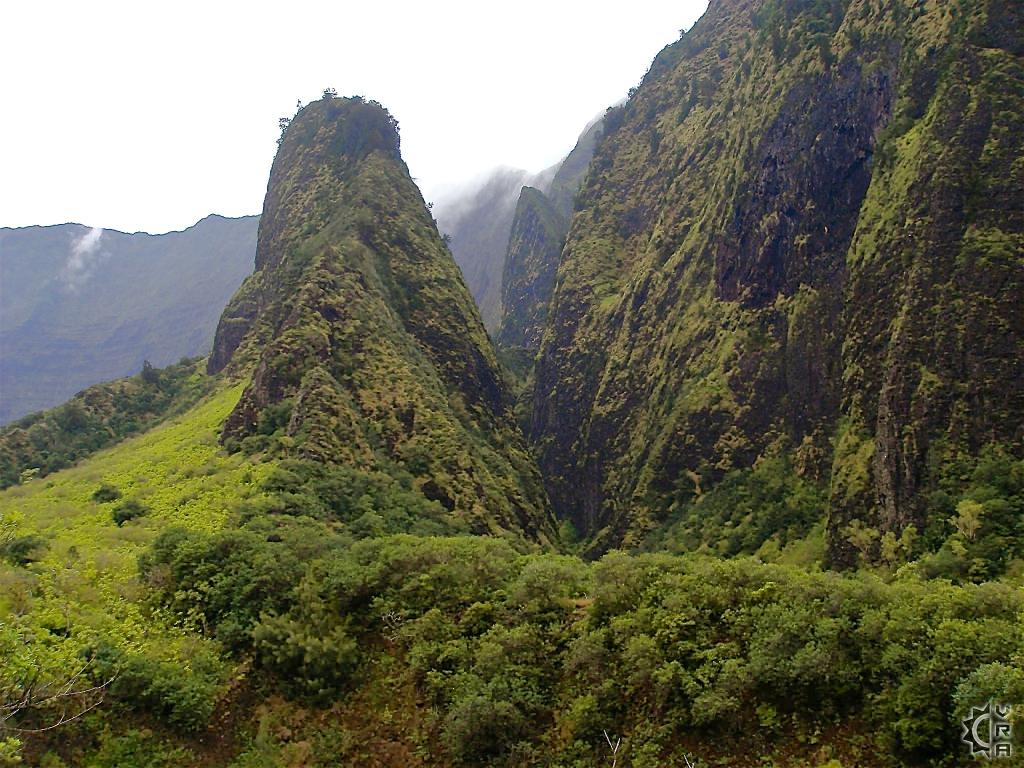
(538, 231)
(478, 222)
(481, 219)
(82, 305)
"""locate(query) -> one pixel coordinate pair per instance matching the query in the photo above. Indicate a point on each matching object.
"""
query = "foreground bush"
(517, 654)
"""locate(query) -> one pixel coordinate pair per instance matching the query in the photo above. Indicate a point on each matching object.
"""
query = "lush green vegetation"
(781, 241)
(70, 599)
(95, 418)
(364, 347)
(285, 574)
(531, 262)
(747, 509)
(977, 514)
(975, 509)
(327, 616)
(524, 659)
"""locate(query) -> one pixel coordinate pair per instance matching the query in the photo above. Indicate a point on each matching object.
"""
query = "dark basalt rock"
(802, 234)
(811, 171)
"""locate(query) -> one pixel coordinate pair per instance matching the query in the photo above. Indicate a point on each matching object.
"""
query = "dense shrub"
(370, 503)
(518, 657)
(183, 692)
(506, 648)
(138, 749)
(310, 657)
(746, 509)
(22, 550)
(224, 583)
(106, 493)
(129, 510)
(976, 528)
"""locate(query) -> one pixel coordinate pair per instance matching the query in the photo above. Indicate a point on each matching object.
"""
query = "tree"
(968, 519)
(283, 123)
(150, 375)
(862, 538)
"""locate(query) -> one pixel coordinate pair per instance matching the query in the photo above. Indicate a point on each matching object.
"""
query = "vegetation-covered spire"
(362, 343)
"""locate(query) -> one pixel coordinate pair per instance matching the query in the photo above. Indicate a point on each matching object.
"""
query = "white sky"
(150, 115)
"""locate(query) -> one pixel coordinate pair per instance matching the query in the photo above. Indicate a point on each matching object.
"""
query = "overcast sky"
(149, 115)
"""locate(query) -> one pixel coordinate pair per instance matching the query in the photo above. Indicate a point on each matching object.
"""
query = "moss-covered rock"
(357, 316)
(803, 229)
(534, 246)
(538, 232)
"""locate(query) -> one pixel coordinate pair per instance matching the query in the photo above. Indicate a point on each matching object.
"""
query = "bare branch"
(613, 747)
(72, 698)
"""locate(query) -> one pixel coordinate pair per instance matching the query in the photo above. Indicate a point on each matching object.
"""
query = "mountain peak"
(358, 336)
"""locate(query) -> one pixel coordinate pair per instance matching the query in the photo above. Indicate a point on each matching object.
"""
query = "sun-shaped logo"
(987, 731)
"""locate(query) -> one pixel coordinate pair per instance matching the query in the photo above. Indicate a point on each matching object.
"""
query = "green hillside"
(769, 510)
(248, 622)
(99, 416)
(534, 248)
(72, 599)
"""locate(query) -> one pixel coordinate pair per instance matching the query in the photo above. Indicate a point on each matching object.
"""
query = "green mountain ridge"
(478, 220)
(538, 231)
(97, 417)
(358, 325)
(534, 247)
(782, 249)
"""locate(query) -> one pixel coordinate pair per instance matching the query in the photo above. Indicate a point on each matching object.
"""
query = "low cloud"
(84, 256)
(490, 190)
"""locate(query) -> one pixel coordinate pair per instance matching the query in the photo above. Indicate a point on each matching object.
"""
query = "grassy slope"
(98, 417)
(84, 590)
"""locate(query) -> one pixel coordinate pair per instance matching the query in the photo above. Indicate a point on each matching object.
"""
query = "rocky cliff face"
(358, 332)
(481, 223)
(534, 247)
(538, 231)
(801, 236)
(478, 223)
